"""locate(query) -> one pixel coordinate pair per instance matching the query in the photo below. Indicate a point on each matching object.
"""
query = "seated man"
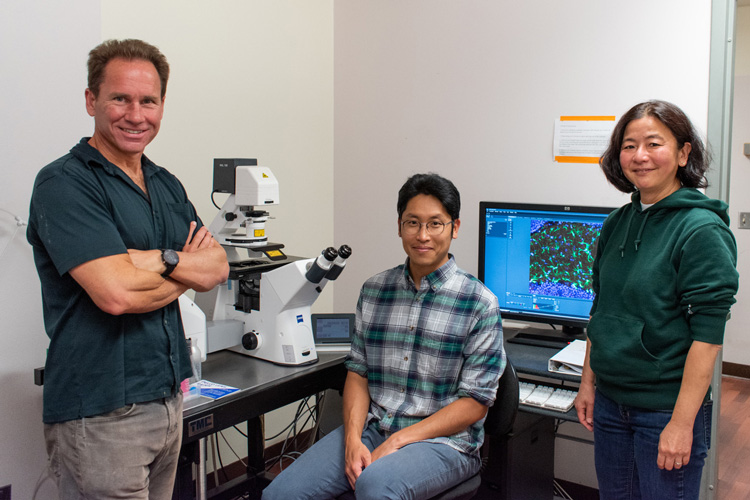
(424, 366)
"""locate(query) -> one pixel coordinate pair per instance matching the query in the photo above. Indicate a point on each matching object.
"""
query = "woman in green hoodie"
(665, 278)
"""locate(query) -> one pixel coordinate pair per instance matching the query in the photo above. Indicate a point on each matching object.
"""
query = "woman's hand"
(675, 443)
(584, 404)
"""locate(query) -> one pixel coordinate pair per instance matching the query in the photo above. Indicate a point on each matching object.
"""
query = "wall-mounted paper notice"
(582, 139)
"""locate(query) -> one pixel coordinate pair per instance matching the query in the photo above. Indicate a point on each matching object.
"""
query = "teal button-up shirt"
(83, 208)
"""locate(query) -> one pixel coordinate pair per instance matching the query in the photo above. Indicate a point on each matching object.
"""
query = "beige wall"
(467, 89)
(736, 339)
(471, 90)
(248, 79)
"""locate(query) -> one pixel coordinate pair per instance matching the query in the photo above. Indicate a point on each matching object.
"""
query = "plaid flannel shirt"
(421, 350)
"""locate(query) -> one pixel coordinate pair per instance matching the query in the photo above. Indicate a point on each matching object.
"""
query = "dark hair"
(692, 175)
(129, 49)
(433, 185)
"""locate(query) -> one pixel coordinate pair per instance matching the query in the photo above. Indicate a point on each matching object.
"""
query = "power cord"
(19, 223)
(560, 491)
(44, 476)
(304, 414)
(303, 410)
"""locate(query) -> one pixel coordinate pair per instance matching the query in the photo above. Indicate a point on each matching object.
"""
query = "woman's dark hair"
(692, 175)
(433, 185)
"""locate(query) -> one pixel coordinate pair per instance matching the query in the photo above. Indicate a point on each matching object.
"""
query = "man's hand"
(386, 448)
(357, 458)
(150, 260)
(202, 239)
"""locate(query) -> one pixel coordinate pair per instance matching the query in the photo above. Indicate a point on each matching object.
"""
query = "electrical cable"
(560, 491)
(212, 199)
(221, 464)
(19, 223)
(214, 447)
(320, 399)
(291, 424)
(302, 409)
(42, 477)
(230, 447)
(292, 429)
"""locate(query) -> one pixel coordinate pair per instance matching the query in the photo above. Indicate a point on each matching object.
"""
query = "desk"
(522, 464)
(263, 387)
(533, 360)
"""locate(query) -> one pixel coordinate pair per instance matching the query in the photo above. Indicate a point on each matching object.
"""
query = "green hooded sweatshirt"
(663, 277)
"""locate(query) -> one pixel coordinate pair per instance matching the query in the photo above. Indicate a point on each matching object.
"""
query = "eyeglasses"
(434, 227)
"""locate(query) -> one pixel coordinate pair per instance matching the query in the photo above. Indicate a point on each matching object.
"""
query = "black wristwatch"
(170, 259)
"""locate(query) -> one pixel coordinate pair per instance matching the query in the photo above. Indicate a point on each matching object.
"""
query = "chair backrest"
(502, 413)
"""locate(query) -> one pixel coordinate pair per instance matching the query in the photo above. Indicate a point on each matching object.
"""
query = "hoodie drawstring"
(627, 233)
(640, 231)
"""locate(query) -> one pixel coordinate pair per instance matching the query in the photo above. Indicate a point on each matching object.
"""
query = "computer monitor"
(537, 260)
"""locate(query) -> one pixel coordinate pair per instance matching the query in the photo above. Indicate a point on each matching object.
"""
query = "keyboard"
(549, 398)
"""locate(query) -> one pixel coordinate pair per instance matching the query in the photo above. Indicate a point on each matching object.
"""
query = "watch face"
(171, 258)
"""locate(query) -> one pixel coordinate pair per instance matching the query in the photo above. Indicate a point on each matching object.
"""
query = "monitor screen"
(537, 259)
(332, 328)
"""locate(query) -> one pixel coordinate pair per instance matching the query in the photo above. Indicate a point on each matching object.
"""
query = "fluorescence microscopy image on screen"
(562, 254)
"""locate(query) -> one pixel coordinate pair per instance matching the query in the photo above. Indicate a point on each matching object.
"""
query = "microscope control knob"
(250, 341)
(230, 216)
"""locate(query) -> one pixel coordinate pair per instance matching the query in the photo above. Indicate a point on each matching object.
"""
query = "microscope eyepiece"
(345, 251)
(330, 253)
(320, 266)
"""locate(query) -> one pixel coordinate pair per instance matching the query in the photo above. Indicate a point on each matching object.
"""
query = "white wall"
(736, 339)
(467, 89)
(41, 97)
(249, 79)
(471, 90)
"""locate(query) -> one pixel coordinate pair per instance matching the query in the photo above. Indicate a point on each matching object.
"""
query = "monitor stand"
(544, 337)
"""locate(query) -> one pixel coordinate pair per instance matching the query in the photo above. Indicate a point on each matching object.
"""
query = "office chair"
(499, 423)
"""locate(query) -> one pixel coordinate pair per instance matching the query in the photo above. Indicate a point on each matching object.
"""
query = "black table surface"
(263, 386)
(533, 360)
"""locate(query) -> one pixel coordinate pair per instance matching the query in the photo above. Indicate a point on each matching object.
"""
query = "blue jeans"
(129, 453)
(626, 442)
(416, 471)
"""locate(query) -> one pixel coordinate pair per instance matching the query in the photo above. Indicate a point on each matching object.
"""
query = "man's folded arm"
(117, 286)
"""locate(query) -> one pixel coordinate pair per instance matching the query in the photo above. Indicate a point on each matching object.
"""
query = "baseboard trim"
(735, 370)
(578, 491)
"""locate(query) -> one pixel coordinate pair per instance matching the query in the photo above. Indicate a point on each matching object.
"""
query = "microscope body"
(279, 330)
(263, 310)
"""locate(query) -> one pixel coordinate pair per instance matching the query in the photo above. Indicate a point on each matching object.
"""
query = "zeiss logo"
(299, 318)
(201, 425)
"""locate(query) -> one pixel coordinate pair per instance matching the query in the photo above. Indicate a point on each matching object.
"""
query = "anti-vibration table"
(263, 387)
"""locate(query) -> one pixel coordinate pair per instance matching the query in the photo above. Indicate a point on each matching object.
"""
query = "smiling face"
(427, 252)
(650, 157)
(128, 110)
